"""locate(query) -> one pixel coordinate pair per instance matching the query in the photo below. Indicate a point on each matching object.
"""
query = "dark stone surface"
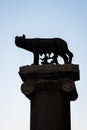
(65, 85)
(50, 89)
(50, 110)
(50, 72)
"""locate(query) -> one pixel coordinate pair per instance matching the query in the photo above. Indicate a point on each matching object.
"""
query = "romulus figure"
(44, 60)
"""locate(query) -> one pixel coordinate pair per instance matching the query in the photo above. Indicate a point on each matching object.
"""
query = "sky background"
(66, 19)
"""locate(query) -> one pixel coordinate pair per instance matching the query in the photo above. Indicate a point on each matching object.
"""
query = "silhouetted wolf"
(57, 46)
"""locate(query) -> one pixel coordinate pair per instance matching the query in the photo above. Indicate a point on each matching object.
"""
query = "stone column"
(50, 89)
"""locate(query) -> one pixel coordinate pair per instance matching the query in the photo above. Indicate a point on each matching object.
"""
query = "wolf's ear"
(23, 36)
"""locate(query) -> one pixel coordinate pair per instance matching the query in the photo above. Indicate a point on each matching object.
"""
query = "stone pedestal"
(50, 89)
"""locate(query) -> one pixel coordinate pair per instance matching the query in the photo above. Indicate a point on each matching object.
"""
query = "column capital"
(50, 77)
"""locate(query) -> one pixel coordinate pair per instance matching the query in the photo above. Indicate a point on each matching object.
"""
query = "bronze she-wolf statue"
(39, 46)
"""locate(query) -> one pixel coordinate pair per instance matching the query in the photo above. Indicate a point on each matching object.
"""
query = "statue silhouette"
(39, 46)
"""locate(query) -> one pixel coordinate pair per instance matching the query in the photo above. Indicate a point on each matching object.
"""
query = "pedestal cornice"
(49, 72)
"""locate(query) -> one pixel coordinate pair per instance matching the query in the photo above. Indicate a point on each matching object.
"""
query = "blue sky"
(66, 19)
